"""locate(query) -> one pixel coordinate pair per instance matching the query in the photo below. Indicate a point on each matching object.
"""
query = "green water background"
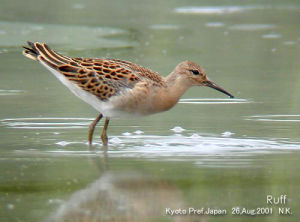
(251, 48)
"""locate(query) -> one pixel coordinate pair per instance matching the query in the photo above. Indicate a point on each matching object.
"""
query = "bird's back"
(103, 78)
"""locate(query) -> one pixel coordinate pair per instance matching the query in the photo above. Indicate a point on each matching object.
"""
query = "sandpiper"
(118, 88)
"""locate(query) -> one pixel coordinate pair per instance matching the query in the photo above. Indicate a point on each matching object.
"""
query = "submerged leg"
(92, 128)
(104, 135)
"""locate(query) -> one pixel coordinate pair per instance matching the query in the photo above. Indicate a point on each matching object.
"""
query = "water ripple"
(214, 24)
(202, 150)
(164, 27)
(46, 123)
(272, 36)
(275, 118)
(178, 145)
(9, 92)
(252, 27)
(220, 10)
(212, 101)
(215, 9)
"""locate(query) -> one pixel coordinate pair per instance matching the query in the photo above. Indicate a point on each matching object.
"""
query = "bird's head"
(194, 75)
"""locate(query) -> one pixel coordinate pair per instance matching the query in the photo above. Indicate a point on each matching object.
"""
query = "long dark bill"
(216, 87)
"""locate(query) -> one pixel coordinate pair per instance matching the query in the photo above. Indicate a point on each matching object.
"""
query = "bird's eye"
(195, 72)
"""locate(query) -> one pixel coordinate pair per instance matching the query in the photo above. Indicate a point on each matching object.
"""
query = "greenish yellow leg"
(104, 135)
(92, 128)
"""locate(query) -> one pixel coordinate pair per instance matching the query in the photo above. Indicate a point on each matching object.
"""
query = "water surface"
(208, 151)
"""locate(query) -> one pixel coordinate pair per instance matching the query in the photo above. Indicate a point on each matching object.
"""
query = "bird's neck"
(169, 96)
(176, 85)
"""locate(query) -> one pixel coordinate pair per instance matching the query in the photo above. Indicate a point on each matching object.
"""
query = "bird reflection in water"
(131, 197)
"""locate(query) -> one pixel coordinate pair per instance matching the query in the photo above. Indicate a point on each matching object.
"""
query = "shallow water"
(208, 151)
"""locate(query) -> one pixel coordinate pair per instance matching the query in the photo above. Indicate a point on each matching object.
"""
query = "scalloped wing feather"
(103, 78)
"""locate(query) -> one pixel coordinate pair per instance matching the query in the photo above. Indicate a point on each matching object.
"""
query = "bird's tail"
(30, 51)
(42, 53)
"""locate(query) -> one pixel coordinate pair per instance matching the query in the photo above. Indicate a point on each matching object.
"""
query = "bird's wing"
(102, 77)
(139, 71)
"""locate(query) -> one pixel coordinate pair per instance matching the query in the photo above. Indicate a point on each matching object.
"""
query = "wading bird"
(119, 88)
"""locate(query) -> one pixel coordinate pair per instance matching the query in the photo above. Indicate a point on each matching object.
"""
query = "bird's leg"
(92, 127)
(104, 135)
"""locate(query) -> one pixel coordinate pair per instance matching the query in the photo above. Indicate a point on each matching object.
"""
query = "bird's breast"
(141, 100)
